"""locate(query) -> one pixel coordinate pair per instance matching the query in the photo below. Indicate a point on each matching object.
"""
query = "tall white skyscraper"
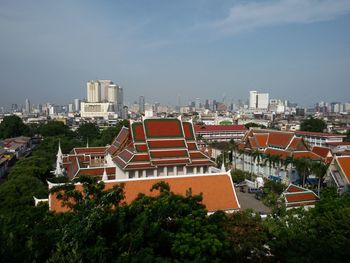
(105, 89)
(112, 93)
(77, 105)
(253, 97)
(258, 100)
(93, 91)
(263, 101)
(27, 106)
(142, 104)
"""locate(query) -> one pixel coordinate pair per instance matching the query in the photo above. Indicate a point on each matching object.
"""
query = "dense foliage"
(313, 125)
(254, 125)
(163, 228)
(12, 126)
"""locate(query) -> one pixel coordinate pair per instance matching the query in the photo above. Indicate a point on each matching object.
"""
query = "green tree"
(257, 157)
(303, 166)
(319, 169)
(12, 126)
(347, 138)
(88, 132)
(317, 235)
(55, 128)
(313, 125)
(246, 236)
(253, 124)
(108, 134)
(164, 227)
(17, 193)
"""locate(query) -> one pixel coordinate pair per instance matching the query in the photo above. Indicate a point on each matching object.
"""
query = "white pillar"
(201, 170)
(155, 172)
(195, 170)
(185, 170)
(175, 170)
(165, 170)
(144, 173)
(136, 174)
(127, 174)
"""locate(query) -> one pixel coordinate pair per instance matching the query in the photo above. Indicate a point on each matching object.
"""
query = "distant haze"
(293, 49)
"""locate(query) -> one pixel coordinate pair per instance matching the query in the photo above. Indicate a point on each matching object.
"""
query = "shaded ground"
(248, 200)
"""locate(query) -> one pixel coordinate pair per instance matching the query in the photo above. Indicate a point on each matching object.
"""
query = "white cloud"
(257, 14)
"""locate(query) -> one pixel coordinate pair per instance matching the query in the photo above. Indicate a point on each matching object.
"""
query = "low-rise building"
(295, 196)
(338, 174)
(219, 133)
(269, 153)
(320, 138)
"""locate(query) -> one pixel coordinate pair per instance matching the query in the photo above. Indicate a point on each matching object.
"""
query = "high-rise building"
(40, 108)
(197, 103)
(77, 105)
(27, 106)
(70, 107)
(263, 101)
(258, 100)
(105, 84)
(120, 100)
(112, 93)
(253, 98)
(142, 104)
(93, 91)
(125, 113)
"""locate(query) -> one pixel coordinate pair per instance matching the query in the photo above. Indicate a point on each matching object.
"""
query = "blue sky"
(293, 49)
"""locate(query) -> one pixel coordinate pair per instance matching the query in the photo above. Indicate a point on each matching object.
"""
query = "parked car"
(259, 194)
(253, 190)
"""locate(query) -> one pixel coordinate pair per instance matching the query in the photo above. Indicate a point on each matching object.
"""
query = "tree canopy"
(12, 126)
(313, 125)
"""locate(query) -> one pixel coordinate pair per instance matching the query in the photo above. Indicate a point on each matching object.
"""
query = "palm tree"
(277, 161)
(250, 154)
(320, 170)
(234, 148)
(257, 157)
(303, 166)
(242, 153)
(269, 161)
(289, 160)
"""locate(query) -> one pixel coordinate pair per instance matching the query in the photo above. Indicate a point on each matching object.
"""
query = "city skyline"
(295, 50)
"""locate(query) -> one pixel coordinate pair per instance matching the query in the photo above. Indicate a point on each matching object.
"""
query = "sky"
(162, 49)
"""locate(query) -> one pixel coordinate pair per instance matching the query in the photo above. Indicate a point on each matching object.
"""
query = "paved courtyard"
(248, 200)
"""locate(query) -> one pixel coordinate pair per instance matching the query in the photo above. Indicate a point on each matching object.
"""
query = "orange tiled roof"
(163, 128)
(90, 150)
(321, 151)
(279, 139)
(297, 144)
(344, 163)
(262, 139)
(217, 189)
(298, 196)
(306, 154)
(165, 141)
(188, 129)
(281, 153)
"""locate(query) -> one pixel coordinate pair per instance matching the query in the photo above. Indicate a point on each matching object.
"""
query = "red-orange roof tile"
(163, 128)
(279, 139)
(321, 151)
(344, 163)
(218, 191)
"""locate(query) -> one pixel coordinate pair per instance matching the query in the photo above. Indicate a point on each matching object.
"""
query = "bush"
(239, 176)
